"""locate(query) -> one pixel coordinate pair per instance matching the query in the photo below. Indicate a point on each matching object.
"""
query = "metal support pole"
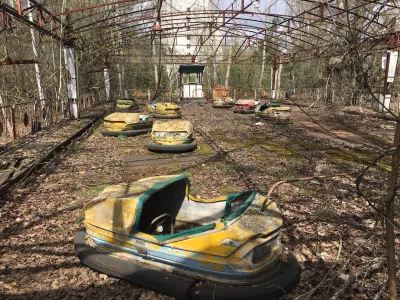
(273, 79)
(72, 79)
(13, 126)
(107, 82)
(389, 63)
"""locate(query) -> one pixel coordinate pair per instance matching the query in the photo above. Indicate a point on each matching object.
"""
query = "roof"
(191, 69)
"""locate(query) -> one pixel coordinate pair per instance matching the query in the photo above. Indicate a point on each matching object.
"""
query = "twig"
(340, 293)
(327, 274)
(378, 295)
(361, 194)
(300, 179)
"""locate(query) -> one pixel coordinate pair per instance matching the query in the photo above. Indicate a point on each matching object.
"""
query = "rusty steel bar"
(23, 19)
(9, 61)
(19, 7)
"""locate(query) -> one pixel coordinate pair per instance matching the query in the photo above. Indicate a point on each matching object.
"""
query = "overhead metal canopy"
(316, 31)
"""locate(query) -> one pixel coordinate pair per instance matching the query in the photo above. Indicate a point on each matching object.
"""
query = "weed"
(122, 138)
(80, 218)
(115, 163)
(326, 215)
(75, 147)
(227, 189)
(204, 149)
(194, 190)
(100, 188)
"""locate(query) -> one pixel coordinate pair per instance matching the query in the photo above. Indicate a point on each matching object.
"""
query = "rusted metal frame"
(366, 26)
(95, 6)
(352, 8)
(309, 49)
(260, 30)
(43, 8)
(222, 39)
(4, 19)
(19, 62)
(309, 11)
(234, 35)
(14, 14)
(232, 17)
(104, 11)
(35, 5)
(350, 12)
(165, 16)
(293, 37)
(286, 57)
(19, 7)
(327, 20)
(111, 25)
(236, 53)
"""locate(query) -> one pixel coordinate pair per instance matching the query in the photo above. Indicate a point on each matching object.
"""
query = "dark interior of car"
(165, 202)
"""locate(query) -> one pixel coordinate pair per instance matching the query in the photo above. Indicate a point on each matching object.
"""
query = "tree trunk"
(6, 121)
(390, 235)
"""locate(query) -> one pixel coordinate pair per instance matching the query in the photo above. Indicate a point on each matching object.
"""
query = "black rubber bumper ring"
(160, 281)
(283, 283)
(158, 116)
(182, 287)
(172, 148)
(126, 132)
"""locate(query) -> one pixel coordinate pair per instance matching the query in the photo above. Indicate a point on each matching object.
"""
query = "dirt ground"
(334, 234)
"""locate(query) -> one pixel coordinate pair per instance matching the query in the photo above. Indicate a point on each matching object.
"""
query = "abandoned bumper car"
(244, 106)
(127, 124)
(151, 107)
(167, 110)
(152, 233)
(172, 136)
(224, 102)
(274, 113)
(126, 104)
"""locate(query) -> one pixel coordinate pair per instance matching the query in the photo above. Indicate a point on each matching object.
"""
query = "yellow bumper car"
(274, 113)
(126, 104)
(172, 136)
(127, 124)
(154, 234)
(167, 110)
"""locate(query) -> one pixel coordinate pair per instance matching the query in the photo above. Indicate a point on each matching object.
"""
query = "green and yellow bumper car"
(167, 110)
(127, 124)
(154, 234)
(151, 107)
(172, 136)
(126, 104)
(274, 113)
